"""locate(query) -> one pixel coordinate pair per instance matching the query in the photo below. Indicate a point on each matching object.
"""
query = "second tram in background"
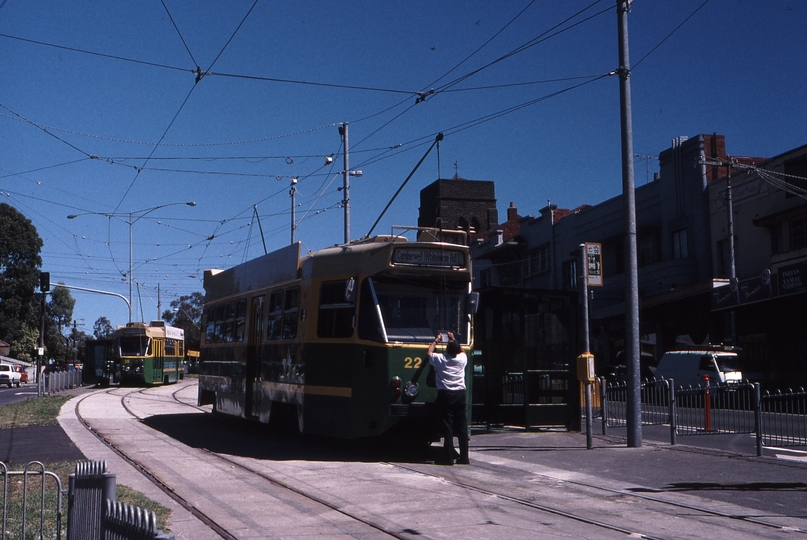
(336, 339)
(138, 353)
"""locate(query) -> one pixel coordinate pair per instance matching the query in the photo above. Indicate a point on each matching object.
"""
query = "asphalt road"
(14, 394)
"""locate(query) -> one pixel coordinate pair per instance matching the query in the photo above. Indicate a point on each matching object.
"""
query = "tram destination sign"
(428, 257)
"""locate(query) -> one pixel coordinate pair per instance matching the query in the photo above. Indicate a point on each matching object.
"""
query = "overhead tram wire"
(93, 53)
(423, 93)
(27, 121)
(171, 18)
(544, 36)
(485, 44)
(184, 102)
(668, 36)
(535, 41)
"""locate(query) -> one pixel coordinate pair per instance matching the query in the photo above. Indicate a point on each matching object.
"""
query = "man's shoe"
(463, 461)
(443, 461)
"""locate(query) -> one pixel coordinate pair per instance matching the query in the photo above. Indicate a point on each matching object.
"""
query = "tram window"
(210, 332)
(219, 332)
(240, 319)
(229, 322)
(170, 347)
(336, 310)
(273, 324)
(134, 346)
(290, 309)
(414, 311)
(369, 323)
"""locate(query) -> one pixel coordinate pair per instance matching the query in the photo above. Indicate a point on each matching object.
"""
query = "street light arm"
(97, 292)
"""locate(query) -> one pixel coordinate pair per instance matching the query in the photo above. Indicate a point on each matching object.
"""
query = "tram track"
(168, 490)
(696, 510)
(194, 510)
(460, 481)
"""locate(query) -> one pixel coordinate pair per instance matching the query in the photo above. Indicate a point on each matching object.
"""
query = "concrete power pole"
(632, 336)
(346, 183)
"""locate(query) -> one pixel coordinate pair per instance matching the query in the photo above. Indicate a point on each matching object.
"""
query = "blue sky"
(101, 115)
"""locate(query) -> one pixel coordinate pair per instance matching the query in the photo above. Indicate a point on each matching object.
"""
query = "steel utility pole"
(293, 193)
(632, 337)
(728, 163)
(346, 183)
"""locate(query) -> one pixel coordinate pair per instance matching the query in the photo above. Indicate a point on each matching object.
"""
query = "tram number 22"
(413, 363)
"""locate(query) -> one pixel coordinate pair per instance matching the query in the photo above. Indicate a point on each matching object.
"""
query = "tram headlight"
(412, 389)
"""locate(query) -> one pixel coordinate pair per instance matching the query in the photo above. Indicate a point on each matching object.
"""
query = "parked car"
(23, 374)
(689, 368)
(9, 376)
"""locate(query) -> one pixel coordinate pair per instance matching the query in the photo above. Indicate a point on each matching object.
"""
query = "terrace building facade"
(683, 252)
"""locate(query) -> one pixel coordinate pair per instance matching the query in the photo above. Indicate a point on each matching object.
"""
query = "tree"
(20, 262)
(102, 328)
(59, 317)
(186, 313)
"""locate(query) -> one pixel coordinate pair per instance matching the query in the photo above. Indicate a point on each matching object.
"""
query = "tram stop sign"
(594, 264)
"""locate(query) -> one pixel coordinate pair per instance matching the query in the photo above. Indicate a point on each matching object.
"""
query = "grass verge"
(43, 411)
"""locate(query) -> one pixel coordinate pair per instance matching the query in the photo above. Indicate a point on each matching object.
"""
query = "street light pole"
(132, 220)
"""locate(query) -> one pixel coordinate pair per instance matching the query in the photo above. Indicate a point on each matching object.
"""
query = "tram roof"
(287, 264)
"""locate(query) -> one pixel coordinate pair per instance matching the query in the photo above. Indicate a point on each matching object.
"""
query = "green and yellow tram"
(151, 353)
(335, 339)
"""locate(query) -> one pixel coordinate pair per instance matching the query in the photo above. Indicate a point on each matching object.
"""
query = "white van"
(688, 368)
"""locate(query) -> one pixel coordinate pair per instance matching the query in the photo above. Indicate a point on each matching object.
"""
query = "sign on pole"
(594, 264)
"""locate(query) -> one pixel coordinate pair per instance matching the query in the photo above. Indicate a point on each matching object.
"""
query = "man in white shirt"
(450, 371)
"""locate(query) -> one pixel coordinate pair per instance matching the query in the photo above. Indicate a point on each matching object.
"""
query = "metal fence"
(52, 383)
(655, 400)
(784, 418)
(40, 493)
(716, 409)
(93, 512)
(777, 418)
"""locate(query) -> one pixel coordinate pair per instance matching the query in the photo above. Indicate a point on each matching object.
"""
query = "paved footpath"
(551, 469)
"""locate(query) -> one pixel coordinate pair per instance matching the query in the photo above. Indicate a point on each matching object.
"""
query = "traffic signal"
(44, 281)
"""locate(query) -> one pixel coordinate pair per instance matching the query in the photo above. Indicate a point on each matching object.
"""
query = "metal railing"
(46, 501)
(777, 418)
(784, 418)
(655, 400)
(716, 409)
(93, 512)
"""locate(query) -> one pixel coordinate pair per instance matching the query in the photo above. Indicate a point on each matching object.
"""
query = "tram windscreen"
(413, 310)
(134, 345)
